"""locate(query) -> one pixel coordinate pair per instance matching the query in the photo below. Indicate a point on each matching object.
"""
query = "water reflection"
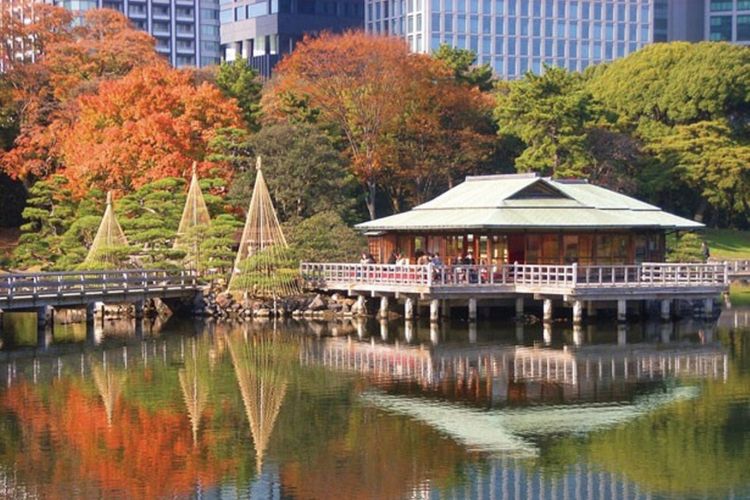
(376, 409)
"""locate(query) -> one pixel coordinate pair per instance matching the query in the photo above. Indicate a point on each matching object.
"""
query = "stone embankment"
(227, 305)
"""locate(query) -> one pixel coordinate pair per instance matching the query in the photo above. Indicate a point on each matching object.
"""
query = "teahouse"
(525, 219)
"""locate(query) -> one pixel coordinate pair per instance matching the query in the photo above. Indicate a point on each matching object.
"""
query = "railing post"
(575, 273)
(429, 274)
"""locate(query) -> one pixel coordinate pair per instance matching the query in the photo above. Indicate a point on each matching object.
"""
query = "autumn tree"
(72, 62)
(369, 88)
(152, 123)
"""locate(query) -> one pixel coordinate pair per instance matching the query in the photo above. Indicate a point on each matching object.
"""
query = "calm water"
(370, 410)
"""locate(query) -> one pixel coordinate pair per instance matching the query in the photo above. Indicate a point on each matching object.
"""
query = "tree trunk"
(700, 211)
(370, 189)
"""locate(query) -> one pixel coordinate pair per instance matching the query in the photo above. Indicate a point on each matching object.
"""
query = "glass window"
(645, 14)
(511, 45)
(633, 13)
(486, 7)
(524, 47)
(524, 27)
(499, 26)
(461, 6)
(585, 31)
(720, 5)
(585, 7)
(597, 50)
(240, 13)
(560, 29)
(436, 22)
(597, 11)
(573, 30)
(486, 25)
(524, 66)
(435, 42)
(570, 249)
(536, 47)
(560, 8)
(474, 6)
(210, 14)
(474, 24)
(721, 28)
(548, 27)
(572, 50)
(474, 44)
(512, 7)
(597, 31)
(573, 10)
(743, 4)
(226, 16)
(436, 5)
(537, 27)
(499, 7)
(621, 12)
(621, 31)
(257, 9)
(743, 28)
(498, 45)
(461, 24)
(549, 6)
(560, 48)
(448, 23)
(419, 22)
(538, 8)
(548, 46)
(511, 66)
(524, 7)
(609, 32)
(512, 26)
(610, 12)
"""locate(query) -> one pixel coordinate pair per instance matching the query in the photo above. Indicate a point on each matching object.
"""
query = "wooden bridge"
(738, 270)
(572, 283)
(43, 292)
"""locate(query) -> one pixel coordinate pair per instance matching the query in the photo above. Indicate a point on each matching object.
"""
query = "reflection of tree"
(194, 382)
(262, 362)
(109, 383)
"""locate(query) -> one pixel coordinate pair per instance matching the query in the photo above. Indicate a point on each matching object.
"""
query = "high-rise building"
(514, 36)
(728, 20)
(265, 30)
(186, 31)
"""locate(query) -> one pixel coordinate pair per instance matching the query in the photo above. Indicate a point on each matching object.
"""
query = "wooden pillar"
(708, 308)
(138, 309)
(434, 333)
(44, 316)
(362, 305)
(519, 308)
(384, 329)
(409, 308)
(434, 310)
(577, 335)
(359, 324)
(622, 334)
(666, 332)
(547, 332)
(409, 331)
(472, 309)
(519, 332)
(445, 307)
(577, 312)
(666, 314)
(622, 310)
(472, 333)
(547, 309)
(383, 311)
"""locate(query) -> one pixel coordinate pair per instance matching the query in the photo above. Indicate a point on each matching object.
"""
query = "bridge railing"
(21, 284)
(573, 275)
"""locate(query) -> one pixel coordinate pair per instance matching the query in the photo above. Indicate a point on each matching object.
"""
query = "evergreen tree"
(49, 213)
(239, 80)
(550, 113)
(150, 217)
(217, 241)
(462, 62)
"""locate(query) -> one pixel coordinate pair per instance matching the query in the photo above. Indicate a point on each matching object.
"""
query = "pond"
(349, 409)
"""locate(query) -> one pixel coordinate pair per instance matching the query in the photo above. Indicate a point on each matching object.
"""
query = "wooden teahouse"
(525, 219)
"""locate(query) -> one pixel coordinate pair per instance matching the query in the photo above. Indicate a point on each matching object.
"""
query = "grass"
(728, 244)
(739, 294)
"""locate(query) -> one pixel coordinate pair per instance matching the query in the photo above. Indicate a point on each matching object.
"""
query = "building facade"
(265, 30)
(186, 31)
(514, 36)
(728, 20)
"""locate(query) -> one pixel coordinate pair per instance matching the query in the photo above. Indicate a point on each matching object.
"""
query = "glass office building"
(515, 36)
(728, 20)
(186, 31)
(262, 31)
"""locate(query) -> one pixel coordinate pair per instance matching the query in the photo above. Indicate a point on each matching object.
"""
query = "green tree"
(712, 162)
(550, 113)
(325, 237)
(685, 248)
(239, 80)
(462, 62)
(217, 241)
(49, 213)
(306, 174)
(80, 235)
(150, 219)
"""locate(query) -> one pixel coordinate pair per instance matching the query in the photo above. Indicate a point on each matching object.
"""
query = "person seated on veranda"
(403, 260)
(436, 261)
(393, 259)
(370, 259)
(469, 259)
(363, 258)
(422, 258)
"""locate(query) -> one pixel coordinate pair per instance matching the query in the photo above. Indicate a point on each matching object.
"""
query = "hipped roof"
(525, 201)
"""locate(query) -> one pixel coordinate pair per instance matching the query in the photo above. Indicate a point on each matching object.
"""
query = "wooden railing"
(738, 267)
(39, 284)
(641, 275)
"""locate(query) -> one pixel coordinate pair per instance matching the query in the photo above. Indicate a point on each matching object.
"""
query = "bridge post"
(547, 332)
(519, 308)
(384, 329)
(44, 316)
(622, 334)
(622, 310)
(519, 332)
(547, 310)
(708, 308)
(138, 309)
(472, 332)
(409, 331)
(383, 311)
(434, 310)
(665, 309)
(409, 308)
(577, 335)
(445, 308)
(434, 333)
(577, 312)
(472, 309)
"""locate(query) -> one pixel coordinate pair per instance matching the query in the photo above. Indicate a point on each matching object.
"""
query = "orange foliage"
(153, 123)
(372, 88)
(141, 455)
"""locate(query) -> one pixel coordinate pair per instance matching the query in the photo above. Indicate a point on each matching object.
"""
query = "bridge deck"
(572, 282)
(69, 289)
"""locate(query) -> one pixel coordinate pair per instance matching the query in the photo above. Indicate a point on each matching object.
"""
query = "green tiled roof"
(510, 202)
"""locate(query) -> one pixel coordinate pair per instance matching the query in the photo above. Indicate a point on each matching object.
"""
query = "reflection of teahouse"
(529, 220)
